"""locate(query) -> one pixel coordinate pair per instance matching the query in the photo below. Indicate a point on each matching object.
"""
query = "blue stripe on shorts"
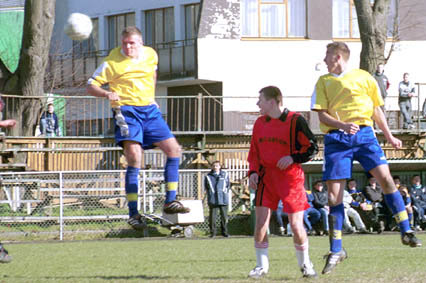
(341, 149)
(146, 126)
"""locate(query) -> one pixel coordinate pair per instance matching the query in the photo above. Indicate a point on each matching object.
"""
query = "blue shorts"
(341, 149)
(146, 126)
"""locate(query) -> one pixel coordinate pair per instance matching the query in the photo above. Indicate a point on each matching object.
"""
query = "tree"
(28, 79)
(372, 22)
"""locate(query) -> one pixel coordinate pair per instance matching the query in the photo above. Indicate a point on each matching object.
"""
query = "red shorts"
(288, 186)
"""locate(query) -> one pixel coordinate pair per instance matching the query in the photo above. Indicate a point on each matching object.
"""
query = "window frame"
(288, 18)
(352, 21)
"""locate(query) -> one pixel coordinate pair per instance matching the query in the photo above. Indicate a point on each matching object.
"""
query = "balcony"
(177, 59)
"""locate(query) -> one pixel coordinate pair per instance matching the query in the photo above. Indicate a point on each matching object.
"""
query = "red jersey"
(275, 138)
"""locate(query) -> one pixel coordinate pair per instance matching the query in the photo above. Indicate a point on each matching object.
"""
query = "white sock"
(262, 259)
(302, 254)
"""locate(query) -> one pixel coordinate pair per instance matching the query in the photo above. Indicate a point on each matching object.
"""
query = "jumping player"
(346, 103)
(281, 141)
(130, 71)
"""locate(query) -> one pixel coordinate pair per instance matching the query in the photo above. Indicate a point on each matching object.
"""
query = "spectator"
(406, 91)
(311, 215)
(217, 186)
(382, 81)
(351, 213)
(374, 193)
(279, 215)
(361, 204)
(321, 203)
(49, 125)
(408, 206)
(418, 197)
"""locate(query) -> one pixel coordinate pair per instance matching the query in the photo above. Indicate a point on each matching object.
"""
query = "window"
(116, 24)
(191, 20)
(80, 48)
(159, 26)
(273, 18)
(345, 19)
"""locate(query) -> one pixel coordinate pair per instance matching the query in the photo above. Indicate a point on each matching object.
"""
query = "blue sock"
(410, 218)
(171, 177)
(335, 219)
(131, 185)
(396, 205)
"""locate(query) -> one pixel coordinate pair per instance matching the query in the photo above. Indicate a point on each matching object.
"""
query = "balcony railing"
(177, 59)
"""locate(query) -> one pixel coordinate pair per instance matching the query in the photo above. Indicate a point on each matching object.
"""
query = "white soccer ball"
(78, 27)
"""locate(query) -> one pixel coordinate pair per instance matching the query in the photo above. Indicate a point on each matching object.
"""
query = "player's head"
(336, 57)
(131, 41)
(216, 166)
(270, 98)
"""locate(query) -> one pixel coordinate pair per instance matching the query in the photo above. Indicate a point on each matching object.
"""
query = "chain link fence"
(92, 204)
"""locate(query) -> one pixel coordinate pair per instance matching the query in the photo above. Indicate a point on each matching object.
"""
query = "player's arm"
(254, 160)
(8, 123)
(100, 92)
(306, 144)
(327, 119)
(380, 119)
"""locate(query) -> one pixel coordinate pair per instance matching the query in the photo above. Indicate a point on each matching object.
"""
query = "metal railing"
(176, 59)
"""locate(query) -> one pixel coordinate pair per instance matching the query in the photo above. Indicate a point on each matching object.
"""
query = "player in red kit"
(281, 141)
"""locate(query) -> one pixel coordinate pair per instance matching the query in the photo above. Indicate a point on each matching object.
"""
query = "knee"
(174, 151)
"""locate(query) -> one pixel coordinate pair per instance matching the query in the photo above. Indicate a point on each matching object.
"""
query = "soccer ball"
(78, 27)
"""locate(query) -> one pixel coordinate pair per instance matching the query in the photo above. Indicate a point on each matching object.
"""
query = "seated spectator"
(374, 193)
(351, 213)
(321, 203)
(279, 216)
(49, 125)
(361, 204)
(407, 201)
(418, 198)
(311, 215)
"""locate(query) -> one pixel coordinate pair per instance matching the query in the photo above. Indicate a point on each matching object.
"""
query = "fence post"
(200, 112)
(61, 208)
(143, 191)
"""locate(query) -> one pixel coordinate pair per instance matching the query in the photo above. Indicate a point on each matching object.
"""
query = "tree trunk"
(372, 22)
(38, 25)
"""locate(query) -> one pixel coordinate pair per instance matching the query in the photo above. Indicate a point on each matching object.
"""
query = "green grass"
(372, 258)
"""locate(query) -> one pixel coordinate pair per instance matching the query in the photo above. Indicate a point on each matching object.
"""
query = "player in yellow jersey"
(347, 102)
(130, 72)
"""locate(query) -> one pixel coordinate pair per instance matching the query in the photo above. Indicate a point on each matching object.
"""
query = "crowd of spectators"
(365, 208)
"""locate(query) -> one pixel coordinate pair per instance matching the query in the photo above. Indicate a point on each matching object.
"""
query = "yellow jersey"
(349, 97)
(132, 79)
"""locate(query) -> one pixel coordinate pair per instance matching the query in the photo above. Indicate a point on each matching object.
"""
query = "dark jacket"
(217, 187)
(373, 194)
(418, 196)
(320, 198)
(50, 124)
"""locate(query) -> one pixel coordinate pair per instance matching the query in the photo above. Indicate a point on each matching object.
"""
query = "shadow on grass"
(61, 278)
(153, 231)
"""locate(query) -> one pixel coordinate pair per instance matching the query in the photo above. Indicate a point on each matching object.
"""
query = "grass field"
(372, 258)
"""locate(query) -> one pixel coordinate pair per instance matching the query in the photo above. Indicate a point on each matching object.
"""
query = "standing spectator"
(49, 125)
(382, 81)
(217, 186)
(418, 197)
(348, 103)
(321, 203)
(4, 255)
(311, 215)
(130, 71)
(281, 141)
(406, 91)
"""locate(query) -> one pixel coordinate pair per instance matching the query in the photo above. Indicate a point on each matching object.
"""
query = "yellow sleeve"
(374, 92)
(319, 98)
(104, 73)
